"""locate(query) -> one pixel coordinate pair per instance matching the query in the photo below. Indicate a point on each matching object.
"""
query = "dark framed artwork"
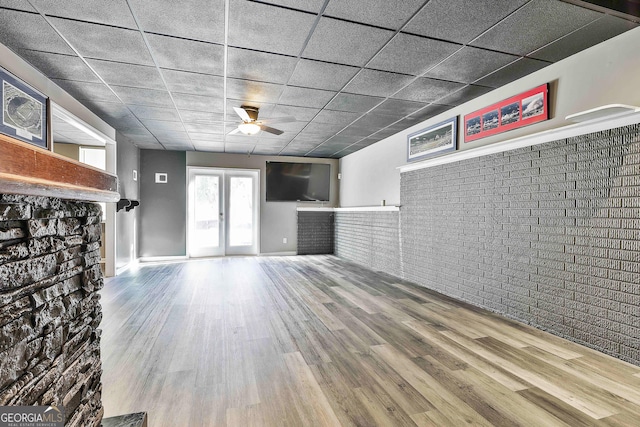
(433, 140)
(24, 111)
(521, 110)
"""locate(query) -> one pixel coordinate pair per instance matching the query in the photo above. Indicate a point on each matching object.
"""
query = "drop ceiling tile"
(603, 29)
(189, 116)
(344, 140)
(306, 5)
(216, 147)
(303, 97)
(104, 42)
(427, 90)
(203, 128)
(209, 104)
(377, 83)
(321, 75)
(121, 120)
(463, 95)
(137, 96)
(155, 113)
(170, 137)
(357, 131)
(187, 55)
(299, 113)
(241, 139)
(324, 130)
(112, 12)
(345, 42)
(135, 132)
(398, 107)
(121, 74)
(22, 30)
(460, 21)
(513, 71)
(17, 4)
(354, 103)
(381, 13)
(261, 150)
(338, 117)
(193, 19)
(253, 91)
(268, 28)
(58, 66)
(271, 143)
(109, 110)
(239, 148)
(374, 122)
(469, 64)
(535, 25)
(260, 66)
(211, 137)
(424, 114)
(87, 90)
(411, 54)
(193, 83)
(160, 126)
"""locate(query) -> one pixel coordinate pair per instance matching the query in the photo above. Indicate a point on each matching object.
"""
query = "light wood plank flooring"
(317, 341)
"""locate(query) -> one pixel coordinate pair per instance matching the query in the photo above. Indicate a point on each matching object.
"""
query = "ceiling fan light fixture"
(249, 128)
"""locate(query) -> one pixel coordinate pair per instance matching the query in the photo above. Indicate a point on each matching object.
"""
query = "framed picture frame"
(434, 140)
(24, 111)
(518, 111)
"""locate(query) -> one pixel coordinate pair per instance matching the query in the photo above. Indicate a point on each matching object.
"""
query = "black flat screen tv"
(292, 182)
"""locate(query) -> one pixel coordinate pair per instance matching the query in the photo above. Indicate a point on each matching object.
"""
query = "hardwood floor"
(317, 341)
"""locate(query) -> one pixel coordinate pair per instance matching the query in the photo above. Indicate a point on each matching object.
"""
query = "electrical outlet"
(284, 240)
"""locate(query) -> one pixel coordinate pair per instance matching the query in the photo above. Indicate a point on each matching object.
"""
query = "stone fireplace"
(49, 281)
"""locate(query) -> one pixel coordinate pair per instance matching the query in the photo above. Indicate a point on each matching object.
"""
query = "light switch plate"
(161, 178)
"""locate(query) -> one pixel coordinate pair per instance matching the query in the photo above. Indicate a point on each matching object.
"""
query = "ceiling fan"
(250, 124)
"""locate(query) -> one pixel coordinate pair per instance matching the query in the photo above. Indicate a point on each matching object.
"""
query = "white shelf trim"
(563, 132)
(353, 209)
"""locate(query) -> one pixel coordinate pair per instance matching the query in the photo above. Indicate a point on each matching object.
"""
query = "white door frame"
(225, 174)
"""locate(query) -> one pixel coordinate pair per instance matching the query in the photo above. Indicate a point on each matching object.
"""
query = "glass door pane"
(206, 230)
(242, 192)
(240, 211)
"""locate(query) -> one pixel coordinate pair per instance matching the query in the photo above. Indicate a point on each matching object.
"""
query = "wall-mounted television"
(303, 182)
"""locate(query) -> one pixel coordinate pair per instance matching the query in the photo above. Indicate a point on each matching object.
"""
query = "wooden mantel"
(27, 169)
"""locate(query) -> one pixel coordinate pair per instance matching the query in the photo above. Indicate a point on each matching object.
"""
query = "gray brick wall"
(315, 233)
(369, 238)
(549, 235)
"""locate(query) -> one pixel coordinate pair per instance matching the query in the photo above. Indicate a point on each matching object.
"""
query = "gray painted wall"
(608, 73)
(278, 220)
(128, 160)
(162, 212)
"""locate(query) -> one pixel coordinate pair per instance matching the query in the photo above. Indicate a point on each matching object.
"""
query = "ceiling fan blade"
(242, 113)
(287, 119)
(233, 132)
(271, 130)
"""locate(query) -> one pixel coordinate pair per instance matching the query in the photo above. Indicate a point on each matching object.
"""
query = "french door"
(223, 212)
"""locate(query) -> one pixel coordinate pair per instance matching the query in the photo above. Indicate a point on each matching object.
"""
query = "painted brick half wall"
(369, 238)
(549, 235)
